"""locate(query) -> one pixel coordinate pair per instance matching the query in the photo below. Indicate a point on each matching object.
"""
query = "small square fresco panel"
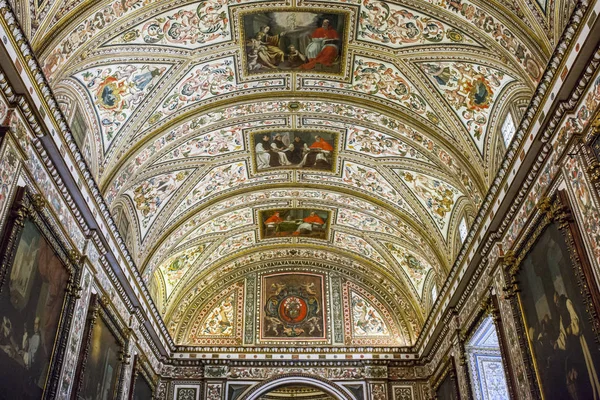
(295, 149)
(297, 41)
(296, 222)
(292, 307)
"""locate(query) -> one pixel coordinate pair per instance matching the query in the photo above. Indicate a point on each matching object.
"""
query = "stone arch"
(297, 379)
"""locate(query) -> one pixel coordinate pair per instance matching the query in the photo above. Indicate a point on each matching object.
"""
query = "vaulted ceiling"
(177, 96)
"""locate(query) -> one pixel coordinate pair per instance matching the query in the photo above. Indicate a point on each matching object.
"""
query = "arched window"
(122, 223)
(508, 129)
(78, 127)
(434, 293)
(463, 230)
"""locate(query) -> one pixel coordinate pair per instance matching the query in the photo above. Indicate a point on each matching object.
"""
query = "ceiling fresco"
(345, 140)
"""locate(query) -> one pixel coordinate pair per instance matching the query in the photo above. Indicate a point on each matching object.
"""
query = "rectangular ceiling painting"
(298, 41)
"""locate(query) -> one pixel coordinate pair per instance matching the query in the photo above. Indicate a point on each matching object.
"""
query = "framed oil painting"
(141, 386)
(555, 305)
(34, 303)
(294, 222)
(294, 41)
(446, 387)
(295, 149)
(292, 307)
(100, 363)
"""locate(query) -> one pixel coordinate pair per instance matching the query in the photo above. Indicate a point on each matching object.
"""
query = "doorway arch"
(317, 382)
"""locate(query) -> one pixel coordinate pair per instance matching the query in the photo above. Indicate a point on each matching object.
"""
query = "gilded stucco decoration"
(345, 136)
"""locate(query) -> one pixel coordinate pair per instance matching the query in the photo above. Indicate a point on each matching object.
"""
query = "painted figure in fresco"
(295, 57)
(318, 154)
(281, 149)
(579, 364)
(366, 319)
(270, 154)
(297, 150)
(253, 62)
(274, 219)
(310, 222)
(268, 50)
(323, 48)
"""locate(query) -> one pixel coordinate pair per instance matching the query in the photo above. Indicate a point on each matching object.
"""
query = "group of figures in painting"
(31, 301)
(301, 222)
(292, 150)
(565, 352)
(293, 306)
(293, 41)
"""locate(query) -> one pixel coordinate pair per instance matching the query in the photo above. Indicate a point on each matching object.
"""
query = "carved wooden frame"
(557, 209)
(141, 367)
(449, 369)
(32, 207)
(99, 307)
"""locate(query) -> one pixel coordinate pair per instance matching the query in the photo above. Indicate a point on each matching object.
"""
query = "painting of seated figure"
(295, 222)
(295, 149)
(300, 41)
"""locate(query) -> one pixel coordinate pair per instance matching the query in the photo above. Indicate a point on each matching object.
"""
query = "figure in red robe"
(323, 48)
(310, 222)
(318, 156)
(274, 219)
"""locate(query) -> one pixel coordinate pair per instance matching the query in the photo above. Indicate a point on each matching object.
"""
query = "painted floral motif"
(217, 180)
(117, 91)
(87, 29)
(230, 245)
(186, 129)
(575, 123)
(415, 267)
(383, 80)
(377, 144)
(310, 107)
(436, 196)
(191, 27)
(358, 245)
(213, 391)
(222, 223)
(175, 267)
(277, 197)
(501, 34)
(51, 193)
(203, 82)
(470, 90)
(212, 144)
(220, 321)
(590, 217)
(366, 319)
(367, 179)
(399, 27)
(150, 195)
(363, 222)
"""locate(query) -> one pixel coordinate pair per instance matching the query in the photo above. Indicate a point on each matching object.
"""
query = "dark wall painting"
(564, 348)
(142, 389)
(32, 298)
(299, 41)
(292, 307)
(295, 222)
(102, 365)
(295, 149)
(448, 388)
